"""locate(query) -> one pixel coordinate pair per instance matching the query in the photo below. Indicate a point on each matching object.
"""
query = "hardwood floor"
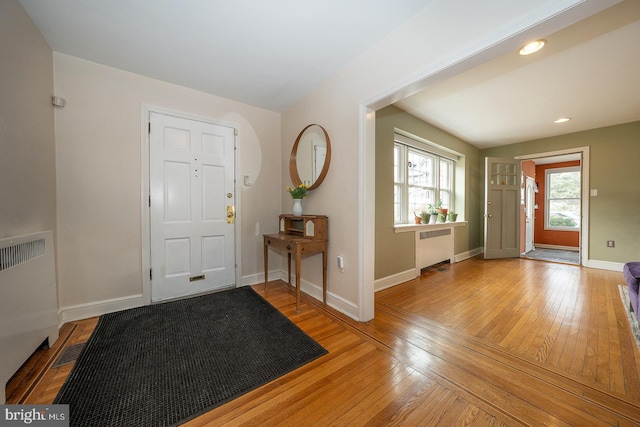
(502, 342)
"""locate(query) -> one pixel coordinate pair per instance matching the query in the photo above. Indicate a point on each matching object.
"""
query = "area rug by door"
(633, 321)
(164, 364)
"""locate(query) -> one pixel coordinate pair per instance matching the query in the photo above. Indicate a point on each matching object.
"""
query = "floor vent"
(70, 354)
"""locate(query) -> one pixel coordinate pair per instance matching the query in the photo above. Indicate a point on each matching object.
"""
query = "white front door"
(191, 168)
(502, 208)
(529, 215)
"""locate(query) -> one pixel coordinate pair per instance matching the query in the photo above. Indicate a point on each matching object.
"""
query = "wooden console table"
(299, 235)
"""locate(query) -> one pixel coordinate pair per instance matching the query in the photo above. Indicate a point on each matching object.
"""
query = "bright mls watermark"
(35, 415)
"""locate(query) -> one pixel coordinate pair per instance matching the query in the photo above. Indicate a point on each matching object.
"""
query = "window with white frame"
(562, 199)
(421, 178)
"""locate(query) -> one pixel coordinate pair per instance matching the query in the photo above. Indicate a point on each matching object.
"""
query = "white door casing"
(191, 180)
(529, 215)
(502, 208)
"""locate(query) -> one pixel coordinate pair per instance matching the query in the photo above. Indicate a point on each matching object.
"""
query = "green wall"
(394, 252)
(614, 214)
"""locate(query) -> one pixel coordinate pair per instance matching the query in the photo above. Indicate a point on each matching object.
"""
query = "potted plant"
(418, 218)
(298, 193)
(433, 214)
(424, 217)
(452, 216)
(440, 209)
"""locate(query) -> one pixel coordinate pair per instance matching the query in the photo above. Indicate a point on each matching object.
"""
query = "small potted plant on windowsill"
(431, 213)
(440, 209)
(452, 216)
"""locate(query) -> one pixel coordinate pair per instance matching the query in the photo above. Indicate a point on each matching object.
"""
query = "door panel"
(192, 184)
(213, 197)
(502, 208)
(177, 198)
(177, 257)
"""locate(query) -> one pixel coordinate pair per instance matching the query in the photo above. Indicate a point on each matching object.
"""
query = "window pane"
(563, 198)
(420, 169)
(445, 175)
(419, 198)
(564, 185)
(445, 196)
(397, 207)
(397, 173)
(564, 213)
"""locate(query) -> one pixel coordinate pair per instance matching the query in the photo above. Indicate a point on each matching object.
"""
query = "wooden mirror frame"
(293, 164)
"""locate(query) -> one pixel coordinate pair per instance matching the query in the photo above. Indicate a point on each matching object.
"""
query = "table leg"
(324, 276)
(289, 268)
(266, 265)
(298, 284)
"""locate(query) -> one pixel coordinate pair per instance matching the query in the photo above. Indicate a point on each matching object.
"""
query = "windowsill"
(572, 229)
(401, 228)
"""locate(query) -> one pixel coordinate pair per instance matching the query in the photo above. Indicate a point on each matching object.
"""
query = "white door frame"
(529, 202)
(584, 194)
(144, 191)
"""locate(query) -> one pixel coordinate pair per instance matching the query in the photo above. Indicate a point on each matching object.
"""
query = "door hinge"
(149, 200)
(150, 274)
(149, 127)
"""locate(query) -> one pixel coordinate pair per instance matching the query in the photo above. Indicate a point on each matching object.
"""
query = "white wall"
(27, 144)
(99, 179)
(445, 38)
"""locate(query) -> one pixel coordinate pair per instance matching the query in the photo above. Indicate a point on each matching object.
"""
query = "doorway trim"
(145, 116)
(529, 226)
(584, 193)
(548, 20)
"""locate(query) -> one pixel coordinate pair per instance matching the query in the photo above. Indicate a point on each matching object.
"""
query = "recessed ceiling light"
(532, 47)
(562, 120)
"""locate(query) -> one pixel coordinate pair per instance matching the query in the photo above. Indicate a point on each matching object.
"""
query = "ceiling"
(589, 71)
(271, 54)
(263, 53)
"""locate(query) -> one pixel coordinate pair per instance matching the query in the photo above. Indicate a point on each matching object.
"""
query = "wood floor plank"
(374, 403)
(500, 342)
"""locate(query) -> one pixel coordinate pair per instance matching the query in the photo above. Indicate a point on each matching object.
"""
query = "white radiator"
(28, 300)
(434, 246)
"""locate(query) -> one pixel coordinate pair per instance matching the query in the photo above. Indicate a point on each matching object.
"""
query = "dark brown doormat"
(164, 364)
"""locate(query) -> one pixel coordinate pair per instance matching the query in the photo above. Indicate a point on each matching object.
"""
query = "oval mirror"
(310, 157)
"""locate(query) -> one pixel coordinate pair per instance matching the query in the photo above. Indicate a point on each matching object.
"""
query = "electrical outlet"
(611, 243)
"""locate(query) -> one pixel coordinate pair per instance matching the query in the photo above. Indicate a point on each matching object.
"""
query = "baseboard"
(604, 265)
(468, 254)
(405, 276)
(394, 279)
(98, 308)
(342, 305)
(560, 247)
(254, 279)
